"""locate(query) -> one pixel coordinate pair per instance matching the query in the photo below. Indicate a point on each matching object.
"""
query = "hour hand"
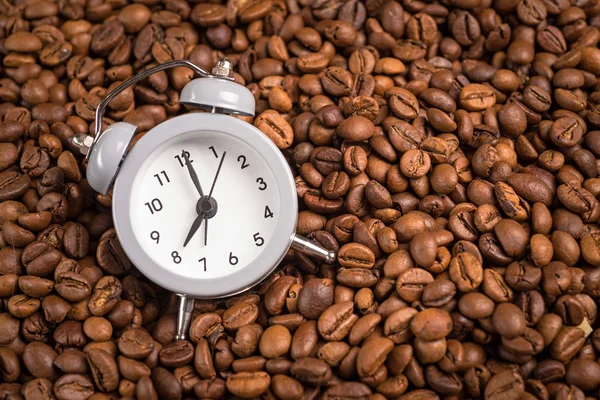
(194, 228)
(186, 157)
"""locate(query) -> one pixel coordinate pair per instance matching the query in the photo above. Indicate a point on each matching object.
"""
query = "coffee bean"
(315, 297)
(431, 324)
(355, 255)
(476, 97)
(73, 386)
(276, 128)
(38, 358)
(476, 305)
(508, 382)
(466, 272)
(311, 371)
(337, 320)
(176, 354)
(165, 383)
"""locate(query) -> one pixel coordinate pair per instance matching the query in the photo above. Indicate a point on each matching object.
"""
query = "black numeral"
(214, 151)
(164, 174)
(242, 159)
(258, 240)
(262, 183)
(154, 206)
(185, 154)
(233, 260)
(268, 213)
(176, 257)
(154, 235)
(203, 260)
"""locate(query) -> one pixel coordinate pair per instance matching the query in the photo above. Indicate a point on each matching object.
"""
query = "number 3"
(263, 184)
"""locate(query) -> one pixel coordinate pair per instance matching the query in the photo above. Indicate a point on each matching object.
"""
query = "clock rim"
(274, 251)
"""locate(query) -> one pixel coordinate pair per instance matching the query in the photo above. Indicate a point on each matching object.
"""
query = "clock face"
(215, 234)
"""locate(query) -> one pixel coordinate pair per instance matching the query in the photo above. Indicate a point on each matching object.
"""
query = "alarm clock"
(204, 204)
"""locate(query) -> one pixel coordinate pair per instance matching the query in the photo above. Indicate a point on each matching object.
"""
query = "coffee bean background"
(448, 150)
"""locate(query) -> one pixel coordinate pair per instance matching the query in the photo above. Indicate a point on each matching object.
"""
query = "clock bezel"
(273, 251)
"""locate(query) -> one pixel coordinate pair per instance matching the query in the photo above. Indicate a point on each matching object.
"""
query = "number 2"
(242, 158)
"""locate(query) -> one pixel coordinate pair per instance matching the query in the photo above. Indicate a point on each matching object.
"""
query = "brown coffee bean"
(411, 283)
(239, 315)
(355, 255)
(311, 371)
(337, 320)
(431, 324)
(176, 354)
(476, 97)
(276, 128)
(415, 163)
(38, 358)
(476, 305)
(355, 128)
(73, 386)
(507, 383)
(466, 272)
(423, 249)
(315, 297)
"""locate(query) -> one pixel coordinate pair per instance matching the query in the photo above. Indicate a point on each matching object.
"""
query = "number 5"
(258, 240)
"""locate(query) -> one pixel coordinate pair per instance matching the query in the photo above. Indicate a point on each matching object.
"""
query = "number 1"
(203, 260)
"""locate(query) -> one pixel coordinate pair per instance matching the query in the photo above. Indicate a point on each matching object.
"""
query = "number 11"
(164, 173)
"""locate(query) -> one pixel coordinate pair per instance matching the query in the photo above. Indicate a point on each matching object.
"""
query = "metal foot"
(310, 248)
(184, 316)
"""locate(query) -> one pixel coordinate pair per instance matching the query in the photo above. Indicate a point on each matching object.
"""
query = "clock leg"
(310, 248)
(184, 316)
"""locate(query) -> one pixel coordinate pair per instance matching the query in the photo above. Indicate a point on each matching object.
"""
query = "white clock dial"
(237, 221)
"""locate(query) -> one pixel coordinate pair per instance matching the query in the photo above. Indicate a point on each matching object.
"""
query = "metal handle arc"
(136, 78)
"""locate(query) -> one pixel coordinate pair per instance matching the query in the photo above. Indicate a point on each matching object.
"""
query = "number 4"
(268, 213)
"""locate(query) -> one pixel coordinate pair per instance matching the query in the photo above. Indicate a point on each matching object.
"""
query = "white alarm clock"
(204, 204)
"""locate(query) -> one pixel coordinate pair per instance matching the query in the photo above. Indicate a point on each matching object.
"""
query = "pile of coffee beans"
(446, 149)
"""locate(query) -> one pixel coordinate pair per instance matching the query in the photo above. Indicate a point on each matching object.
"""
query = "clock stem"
(310, 248)
(184, 316)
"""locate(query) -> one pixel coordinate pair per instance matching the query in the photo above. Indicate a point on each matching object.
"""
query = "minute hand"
(193, 174)
(217, 174)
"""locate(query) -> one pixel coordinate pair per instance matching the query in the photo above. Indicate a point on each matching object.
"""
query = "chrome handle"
(310, 248)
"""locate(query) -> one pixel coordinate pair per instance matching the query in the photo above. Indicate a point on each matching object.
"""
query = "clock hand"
(205, 229)
(209, 197)
(217, 174)
(194, 228)
(192, 172)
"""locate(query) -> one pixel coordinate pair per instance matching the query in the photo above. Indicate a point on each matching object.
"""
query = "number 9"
(155, 236)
